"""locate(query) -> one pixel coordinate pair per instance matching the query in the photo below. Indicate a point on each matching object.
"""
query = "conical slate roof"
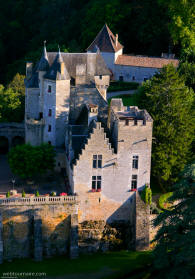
(43, 64)
(55, 69)
(105, 41)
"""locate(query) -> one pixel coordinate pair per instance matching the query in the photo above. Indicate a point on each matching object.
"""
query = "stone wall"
(37, 229)
(141, 222)
(97, 236)
(132, 73)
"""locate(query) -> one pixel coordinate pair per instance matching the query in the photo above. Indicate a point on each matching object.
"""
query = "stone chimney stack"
(29, 68)
(116, 39)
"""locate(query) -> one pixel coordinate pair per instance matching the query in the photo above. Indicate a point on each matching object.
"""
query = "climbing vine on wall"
(146, 195)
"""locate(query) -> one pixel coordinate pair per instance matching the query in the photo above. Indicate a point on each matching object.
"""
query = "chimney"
(116, 40)
(29, 68)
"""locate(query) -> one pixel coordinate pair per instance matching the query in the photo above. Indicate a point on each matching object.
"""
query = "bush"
(23, 194)
(154, 209)
(163, 200)
(8, 194)
(37, 194)
(146, 195)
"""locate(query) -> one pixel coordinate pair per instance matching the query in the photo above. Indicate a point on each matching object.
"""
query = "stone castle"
(105, 151)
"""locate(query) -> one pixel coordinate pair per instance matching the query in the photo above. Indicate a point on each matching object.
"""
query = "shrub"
(23, 194)
(37, 194)
(146, 195)
(163, 200)
(154, 209)
(8, 194)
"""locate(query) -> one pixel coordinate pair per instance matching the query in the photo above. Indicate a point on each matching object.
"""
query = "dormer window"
(49, 89)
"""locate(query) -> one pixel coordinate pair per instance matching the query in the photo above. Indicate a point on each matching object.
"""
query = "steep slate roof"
(94, 62)
(43, 64)
(148, 62)
(105, 41)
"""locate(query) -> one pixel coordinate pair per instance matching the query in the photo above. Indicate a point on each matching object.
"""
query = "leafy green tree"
(182, 21)
(17, 84)
(10, 106)
(27, 161)
(170, 104)
(174, 254)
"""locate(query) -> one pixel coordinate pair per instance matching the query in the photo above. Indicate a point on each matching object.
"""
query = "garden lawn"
(128, 100)
(115, 263)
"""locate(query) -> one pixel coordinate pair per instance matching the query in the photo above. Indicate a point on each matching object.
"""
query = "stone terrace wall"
(32, 227)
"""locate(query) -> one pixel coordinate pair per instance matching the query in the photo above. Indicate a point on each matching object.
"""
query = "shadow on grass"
(120, 262)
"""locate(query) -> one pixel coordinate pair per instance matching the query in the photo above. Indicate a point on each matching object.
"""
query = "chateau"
(125, 67)
(106, 150)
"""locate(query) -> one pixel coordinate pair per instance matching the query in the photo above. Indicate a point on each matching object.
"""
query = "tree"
(182, 23)
(170, 103)
(174, 254)
(27, 161)
(17, 84)
(10, 106)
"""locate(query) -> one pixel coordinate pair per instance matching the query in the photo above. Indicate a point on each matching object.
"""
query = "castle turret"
(131, 130)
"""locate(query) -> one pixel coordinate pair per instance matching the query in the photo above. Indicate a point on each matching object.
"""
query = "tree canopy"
(174, 254)
(27, 161)
(170, 103)
(12, 100)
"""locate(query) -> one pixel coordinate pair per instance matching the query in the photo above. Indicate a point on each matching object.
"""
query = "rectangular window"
(49, 89)
(100, 76)
(134, 182)
(40, 115)
(96, 182)
(97, 161)
(127, 122)
(121, 78)
(49, 128)
(135, 162)
(50, 112)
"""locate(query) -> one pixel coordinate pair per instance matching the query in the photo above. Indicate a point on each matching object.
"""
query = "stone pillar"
(1, 240)
(74, 248)
(38, 243)
(142, 224)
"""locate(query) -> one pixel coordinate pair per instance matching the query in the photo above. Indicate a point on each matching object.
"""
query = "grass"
(116, 263)
(128, 100)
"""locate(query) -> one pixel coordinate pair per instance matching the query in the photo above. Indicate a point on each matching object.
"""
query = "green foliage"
(8, 194)
(37, 193)
(175, 239)
(122, 86)
(164, 200)
(182, 23)
(17, 84)
(10, 105)
(170, 103)
(23, 194)
(146, 195)
(27, 161)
